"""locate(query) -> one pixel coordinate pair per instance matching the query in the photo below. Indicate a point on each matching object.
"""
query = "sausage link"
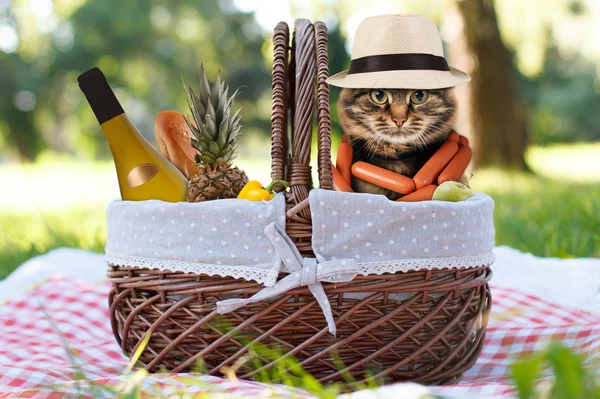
(383, 177)
(344, 161)
(454, 136)
(339, 183)
(457, 166)
(422, 194)
(434, 166)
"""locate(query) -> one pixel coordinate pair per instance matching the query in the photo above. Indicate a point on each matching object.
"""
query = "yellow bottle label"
(143, 173)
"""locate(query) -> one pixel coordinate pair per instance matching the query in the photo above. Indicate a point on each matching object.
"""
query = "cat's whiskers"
(373, 139)
(378, 137)
(422, 143)
(353, 138)
(363, 148)
(425, 137)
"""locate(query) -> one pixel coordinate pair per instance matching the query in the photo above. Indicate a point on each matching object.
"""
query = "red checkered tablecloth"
(33, 355)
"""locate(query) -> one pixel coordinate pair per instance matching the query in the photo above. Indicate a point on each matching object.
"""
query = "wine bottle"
(143, 173)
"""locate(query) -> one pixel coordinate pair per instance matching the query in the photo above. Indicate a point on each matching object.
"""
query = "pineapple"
(216, 136)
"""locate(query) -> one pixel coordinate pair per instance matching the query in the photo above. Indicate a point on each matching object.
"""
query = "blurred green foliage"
(563, 102)
(146, 47)
(569, 372)
(25, 234)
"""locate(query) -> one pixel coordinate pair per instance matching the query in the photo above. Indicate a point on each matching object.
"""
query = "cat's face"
(390, 121)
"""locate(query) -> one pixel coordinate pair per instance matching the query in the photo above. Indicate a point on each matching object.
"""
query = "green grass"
(547, 217)
(24, 235)
(58, 204)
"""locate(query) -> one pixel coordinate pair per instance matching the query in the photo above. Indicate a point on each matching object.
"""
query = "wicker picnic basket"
(431, 333)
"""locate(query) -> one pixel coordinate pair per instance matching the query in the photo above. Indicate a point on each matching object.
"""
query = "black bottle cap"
(99, 94)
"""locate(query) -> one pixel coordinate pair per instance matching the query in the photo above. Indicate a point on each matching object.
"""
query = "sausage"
(423, 194)
(383, 177)
(345, 138)
(454, 136)
(457, 166)
(434, 166)
(463, 141)
(344, 161)
(339, 183)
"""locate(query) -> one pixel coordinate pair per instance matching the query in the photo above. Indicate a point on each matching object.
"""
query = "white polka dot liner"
(225, 237)
(387, 237)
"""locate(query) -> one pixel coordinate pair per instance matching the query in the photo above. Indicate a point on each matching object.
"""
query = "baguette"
(174, 141)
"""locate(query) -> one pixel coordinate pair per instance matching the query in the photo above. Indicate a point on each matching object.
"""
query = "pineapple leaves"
(210, 130)
(215, 132)
(222, 111)
(235, 119)
(222, 137)
(215, 93)
(204, 86)
(195, 106)
(214, 148)
(207, 159)
(202, 146)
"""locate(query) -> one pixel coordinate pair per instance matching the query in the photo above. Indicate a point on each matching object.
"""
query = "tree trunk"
(498, 128)
(26, 139)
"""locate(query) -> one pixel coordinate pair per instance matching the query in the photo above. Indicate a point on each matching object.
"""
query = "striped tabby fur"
(378, 140)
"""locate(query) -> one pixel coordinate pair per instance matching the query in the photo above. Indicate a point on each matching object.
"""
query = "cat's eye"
(378, 96)
(419, 96)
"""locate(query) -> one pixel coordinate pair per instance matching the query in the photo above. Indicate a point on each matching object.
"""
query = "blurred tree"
(563, 101)
(498, 127)
(16, 77)
(143, 47)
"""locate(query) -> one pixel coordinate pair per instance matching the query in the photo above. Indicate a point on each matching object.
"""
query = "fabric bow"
(303, 272)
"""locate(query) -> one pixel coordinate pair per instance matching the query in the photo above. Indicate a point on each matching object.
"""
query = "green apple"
(452, 191)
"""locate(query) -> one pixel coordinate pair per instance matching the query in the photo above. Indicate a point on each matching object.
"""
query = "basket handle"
(294, 92)
(279, 105)
(323, 115)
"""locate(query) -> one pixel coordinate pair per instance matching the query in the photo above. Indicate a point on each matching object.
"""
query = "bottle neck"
(122, 136)
(100, 96)
(117, 126)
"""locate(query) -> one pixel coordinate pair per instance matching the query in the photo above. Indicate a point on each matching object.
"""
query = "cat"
(396, 129)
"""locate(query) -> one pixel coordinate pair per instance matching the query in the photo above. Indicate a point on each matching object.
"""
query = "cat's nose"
(399, 119)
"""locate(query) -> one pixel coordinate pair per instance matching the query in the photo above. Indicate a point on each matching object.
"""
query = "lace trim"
(262, 276)
(269, 277)
(406, 265)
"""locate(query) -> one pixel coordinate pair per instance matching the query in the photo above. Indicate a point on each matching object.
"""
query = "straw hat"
(398, 51)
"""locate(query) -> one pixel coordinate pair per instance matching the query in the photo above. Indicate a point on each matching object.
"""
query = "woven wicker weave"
(425, 326)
